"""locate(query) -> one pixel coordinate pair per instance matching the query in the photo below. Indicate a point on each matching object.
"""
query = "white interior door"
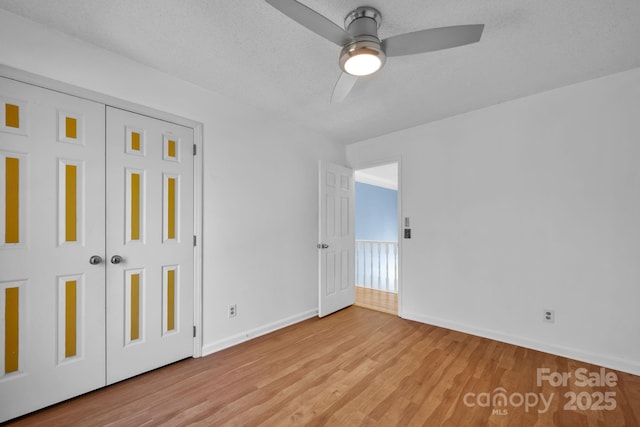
(51, 223)
(336, 245)
(150, 218)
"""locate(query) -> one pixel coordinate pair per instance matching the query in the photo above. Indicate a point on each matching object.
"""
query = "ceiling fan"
(363, 53)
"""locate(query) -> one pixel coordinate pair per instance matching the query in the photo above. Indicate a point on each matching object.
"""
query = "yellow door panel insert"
(11, 329)
(12, 200)
(71, 326)
(171, 300)
(12, 116)
(71, 128)
(135, 206)
(135, 307)
(71, 201)
(171, 208)
(135, 141)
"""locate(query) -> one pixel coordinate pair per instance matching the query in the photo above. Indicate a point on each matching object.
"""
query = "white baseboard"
(632, 367)
(256, 332)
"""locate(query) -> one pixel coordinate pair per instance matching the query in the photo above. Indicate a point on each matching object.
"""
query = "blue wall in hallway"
(376, 213)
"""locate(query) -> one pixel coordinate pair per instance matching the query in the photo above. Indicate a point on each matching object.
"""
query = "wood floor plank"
(355, 367)
(374, 299)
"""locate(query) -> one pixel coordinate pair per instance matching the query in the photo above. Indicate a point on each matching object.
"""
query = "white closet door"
(71, 320)
(150, 222)
(52, 216)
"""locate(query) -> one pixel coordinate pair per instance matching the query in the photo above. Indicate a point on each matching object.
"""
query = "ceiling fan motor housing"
(363, 24)
(356, 25)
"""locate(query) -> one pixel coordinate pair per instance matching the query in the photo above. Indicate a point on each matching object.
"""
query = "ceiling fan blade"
(432, 39)
(342, 88)
(312, 20)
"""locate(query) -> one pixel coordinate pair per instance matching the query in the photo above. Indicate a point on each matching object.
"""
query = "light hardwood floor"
(373, 299)
(355, 367)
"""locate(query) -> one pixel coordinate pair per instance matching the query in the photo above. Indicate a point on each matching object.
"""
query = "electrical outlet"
(549, 316)
(233, 310)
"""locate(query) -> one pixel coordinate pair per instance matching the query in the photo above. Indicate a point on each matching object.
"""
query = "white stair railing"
(377, 265)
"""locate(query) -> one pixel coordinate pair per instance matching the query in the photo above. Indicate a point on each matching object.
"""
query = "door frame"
(66, 88)
(380, 162)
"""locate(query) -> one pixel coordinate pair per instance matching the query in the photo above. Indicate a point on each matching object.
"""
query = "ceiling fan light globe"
(362, 58)
(362, 64)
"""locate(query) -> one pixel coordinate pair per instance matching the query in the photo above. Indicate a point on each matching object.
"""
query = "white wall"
(523, 206)
(260, 181)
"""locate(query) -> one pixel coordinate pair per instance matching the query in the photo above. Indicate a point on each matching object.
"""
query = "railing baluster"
(364, 264)
(368, 258)
(386, 260)
(368, 262)
(357, 263)
(371, 264)
(395, 262)
(378, 262)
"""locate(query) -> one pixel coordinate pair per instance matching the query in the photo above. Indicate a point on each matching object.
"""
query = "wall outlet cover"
(549, 316)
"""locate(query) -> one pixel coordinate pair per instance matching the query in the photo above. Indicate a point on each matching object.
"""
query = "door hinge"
(194, 240)
(194, 331)
(194, 149)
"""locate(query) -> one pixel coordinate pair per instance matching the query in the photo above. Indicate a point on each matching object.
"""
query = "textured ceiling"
(250, 51)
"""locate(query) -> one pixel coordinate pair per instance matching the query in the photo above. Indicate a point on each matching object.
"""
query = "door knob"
(95, 260)
(116, 259)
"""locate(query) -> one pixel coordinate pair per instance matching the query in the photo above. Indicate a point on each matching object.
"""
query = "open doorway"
(376, 224)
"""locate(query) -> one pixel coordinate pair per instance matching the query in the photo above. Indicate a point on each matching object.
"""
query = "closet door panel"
(150, 222)
(52, 216)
